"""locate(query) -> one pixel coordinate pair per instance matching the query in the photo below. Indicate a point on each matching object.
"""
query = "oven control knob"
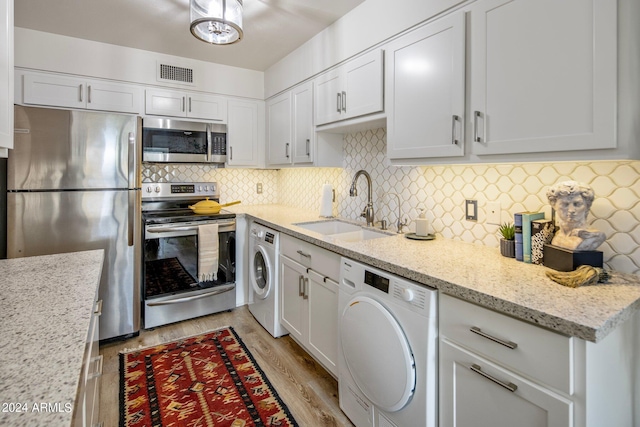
(213, 188)
(157, 189)
(199, 188)
(407, 294)
(149, 189)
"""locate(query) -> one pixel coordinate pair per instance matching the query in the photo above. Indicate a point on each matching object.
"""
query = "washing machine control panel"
(410, 293)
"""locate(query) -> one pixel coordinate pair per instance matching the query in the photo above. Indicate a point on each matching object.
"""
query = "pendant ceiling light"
(217, 21)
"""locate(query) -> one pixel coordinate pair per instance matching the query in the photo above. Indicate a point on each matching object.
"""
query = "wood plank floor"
(308, 390)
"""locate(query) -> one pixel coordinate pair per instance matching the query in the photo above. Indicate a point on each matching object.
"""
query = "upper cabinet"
(543, 75)
(291, 136)
(6, 77)
(185, 104)
(245, 128)
(354, 89)
(74, 92)
(424, 102)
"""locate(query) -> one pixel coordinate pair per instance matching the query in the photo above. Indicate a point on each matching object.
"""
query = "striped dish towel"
(208, 252)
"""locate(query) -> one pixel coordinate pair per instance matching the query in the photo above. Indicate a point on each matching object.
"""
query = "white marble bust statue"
(572, 201)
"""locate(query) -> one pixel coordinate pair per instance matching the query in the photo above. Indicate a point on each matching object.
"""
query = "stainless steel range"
(173, 252)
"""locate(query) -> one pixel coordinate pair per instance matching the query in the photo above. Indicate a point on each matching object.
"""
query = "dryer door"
(377, 353)
(261, 273)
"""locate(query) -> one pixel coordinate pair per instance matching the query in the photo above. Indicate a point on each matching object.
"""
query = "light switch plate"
(493, 213)
(259, 188)
(471, 210)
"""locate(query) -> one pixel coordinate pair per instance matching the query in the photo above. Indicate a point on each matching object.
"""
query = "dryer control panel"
(355, 276)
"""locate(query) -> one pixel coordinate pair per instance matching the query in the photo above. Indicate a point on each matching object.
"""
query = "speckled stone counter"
(479, 274)
(46, 304)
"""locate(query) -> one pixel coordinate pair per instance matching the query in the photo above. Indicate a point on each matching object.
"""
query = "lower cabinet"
(499, 371)
(309, 302)
(88, 398)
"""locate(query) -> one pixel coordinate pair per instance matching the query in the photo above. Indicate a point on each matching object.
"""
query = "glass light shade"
(216, 21)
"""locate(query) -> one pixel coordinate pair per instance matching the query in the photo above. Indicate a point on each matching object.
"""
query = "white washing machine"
(264, 278)
(387, 350)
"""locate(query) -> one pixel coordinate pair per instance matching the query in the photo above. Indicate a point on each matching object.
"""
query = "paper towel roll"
(326, 203)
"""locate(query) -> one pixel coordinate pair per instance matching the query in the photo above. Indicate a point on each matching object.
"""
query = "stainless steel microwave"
(167, 140)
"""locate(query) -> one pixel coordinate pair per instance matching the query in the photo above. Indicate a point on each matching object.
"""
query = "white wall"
(52, 52)
(372, 22)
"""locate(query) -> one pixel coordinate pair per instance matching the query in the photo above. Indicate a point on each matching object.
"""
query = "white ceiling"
(272, 28)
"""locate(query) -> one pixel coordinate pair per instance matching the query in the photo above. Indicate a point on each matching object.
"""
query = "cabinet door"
(293, 306)
(323, 320)
(207, 107)
(543, 75)
(45, 89)
(303, 131)
(425, 91)
(279, 130)
(363, 85)
(242, 133)
(166, 103)
(6, 77)
(328, 97)
(114, 97)
(474, 397)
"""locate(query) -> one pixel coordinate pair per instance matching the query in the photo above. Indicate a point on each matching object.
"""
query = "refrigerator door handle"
(132, 160)
(131, 217)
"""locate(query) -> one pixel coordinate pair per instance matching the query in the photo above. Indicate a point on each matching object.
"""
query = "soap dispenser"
(422, 224)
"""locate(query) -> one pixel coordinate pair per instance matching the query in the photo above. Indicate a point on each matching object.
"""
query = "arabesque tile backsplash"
(441, 191)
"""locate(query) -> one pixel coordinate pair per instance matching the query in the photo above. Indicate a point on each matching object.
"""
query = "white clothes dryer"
(387, 350)
(264, 278)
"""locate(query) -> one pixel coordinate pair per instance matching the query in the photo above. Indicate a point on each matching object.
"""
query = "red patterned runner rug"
(203, 381)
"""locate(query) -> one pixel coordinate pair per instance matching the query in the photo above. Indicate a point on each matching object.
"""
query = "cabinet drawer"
(538, 353)
(321, 260)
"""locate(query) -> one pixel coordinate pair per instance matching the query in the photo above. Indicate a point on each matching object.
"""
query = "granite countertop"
(46, 306)
(478, 274)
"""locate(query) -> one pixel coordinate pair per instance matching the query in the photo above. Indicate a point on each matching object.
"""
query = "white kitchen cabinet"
(279, 119)
(291, 136)
(244, 132)
(87, 406)
(74, 92)
(309, 298)
(353, 89)
(543, 75)
(6, 77)
(185, 104)
(425, 96)
(499, 371)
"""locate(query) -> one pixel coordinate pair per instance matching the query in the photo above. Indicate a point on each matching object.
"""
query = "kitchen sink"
(342, 230)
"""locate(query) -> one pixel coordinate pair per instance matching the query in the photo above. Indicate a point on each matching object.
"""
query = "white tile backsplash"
(442, 191)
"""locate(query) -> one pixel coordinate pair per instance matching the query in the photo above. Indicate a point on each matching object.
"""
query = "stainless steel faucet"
(367, 213)
(400, 224)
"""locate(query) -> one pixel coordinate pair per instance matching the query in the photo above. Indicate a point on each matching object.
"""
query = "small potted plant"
(508, 242)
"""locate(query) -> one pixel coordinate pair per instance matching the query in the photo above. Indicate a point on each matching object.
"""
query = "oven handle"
(220, 290)
(191, 228)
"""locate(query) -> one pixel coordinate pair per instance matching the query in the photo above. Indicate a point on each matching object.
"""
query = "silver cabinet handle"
(339, 105)
(509, 386)
(308, 147)
(300, 285)
(81, 91)
(304, 254)
(476, 115)
(286, 150)
(189, 104)
(183, 102)
(508, 344)
(98, 372)
(89, 94)
(98, 309)
(230, 153)
(220, 290)
(305, 295)
(453, 129)
(344, 101)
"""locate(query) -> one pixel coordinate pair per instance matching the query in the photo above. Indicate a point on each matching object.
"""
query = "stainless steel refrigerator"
(73, 184)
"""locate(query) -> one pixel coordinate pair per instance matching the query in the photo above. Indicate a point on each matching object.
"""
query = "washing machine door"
(377, 354)
(261, 273)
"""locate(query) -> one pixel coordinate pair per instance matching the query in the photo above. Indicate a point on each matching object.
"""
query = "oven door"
(171, 290)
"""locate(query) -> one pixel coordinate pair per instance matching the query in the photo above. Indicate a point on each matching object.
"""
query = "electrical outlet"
(493, 213)
(471, 210)
(259, 188)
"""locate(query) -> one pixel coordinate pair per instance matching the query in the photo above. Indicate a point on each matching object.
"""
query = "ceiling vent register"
(171, 73)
